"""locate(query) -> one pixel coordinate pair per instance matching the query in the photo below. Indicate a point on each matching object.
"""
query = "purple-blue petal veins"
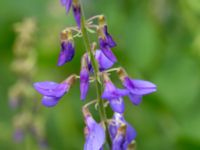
(67, 4)
(84, 82)
(106, 50)
(77, 14)
(96, 135)
(66, 53)
(103, 61)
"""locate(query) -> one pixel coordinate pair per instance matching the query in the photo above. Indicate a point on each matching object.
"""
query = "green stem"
(102, 111)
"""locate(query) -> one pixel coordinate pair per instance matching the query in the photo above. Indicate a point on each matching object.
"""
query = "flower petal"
(113, 92)
(130, 135)
(96, 136)
(61, 89)
(135, 99)
(109, 54)
(117, 105)
(52, 89)
(103, 61)
(117, 143)
(84, 83)
(122, 92)
(66, 53)
(109, 38)
(139, 87)
(121, 142)
(77, 15)
(45, 88)
(63, 2)
(50, 101)
(67, 4)
(112, 129)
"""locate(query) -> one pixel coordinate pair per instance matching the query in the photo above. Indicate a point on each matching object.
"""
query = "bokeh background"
(158, 40)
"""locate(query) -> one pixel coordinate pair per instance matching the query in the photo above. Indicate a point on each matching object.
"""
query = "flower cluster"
(96, 65)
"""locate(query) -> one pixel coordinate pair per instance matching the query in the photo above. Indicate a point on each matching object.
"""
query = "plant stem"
(102, 111)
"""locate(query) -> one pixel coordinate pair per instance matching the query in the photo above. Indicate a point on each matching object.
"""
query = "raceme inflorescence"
(96, 67)
(28, 123)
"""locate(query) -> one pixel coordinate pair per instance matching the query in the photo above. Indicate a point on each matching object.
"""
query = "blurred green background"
(158, 40)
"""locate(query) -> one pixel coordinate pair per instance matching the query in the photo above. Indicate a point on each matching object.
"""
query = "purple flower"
(95, 135)
(77, 14)
(51, 91)
(76, 9)
(84, 82)
(121, 132)
(67, 4)
(138, 88)
(114, 96)
(66, 53)
(103, 61)
(106, 41)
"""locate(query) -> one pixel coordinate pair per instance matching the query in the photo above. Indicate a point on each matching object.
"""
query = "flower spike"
(118, 133)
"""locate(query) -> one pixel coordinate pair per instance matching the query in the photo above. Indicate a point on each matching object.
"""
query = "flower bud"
(67, 48)
(77, 12)
(106, 38)
(84, 77)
